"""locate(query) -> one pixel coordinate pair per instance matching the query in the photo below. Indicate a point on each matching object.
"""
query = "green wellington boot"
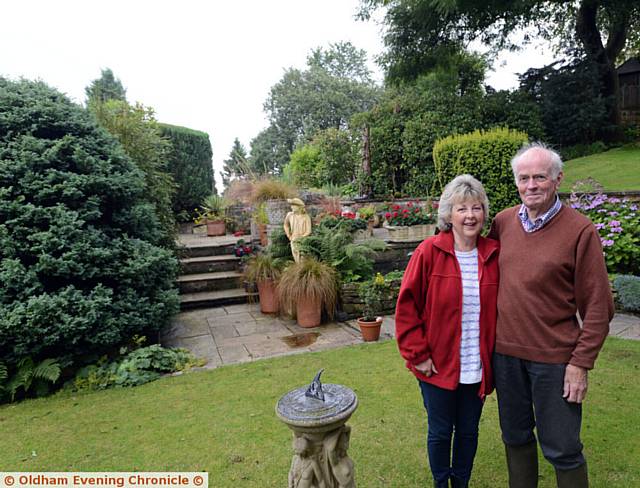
(573, 478)
(522, 462)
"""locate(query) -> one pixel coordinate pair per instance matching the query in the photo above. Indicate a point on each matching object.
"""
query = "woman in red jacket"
(445, 327)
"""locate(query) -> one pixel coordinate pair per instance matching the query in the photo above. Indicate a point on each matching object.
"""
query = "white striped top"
(470, 364)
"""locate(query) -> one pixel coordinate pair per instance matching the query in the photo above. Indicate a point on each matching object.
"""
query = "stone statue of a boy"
(297, 224)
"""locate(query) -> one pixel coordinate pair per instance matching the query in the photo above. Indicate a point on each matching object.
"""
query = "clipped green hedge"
(486, 156)
(191, 166)
(79, 273)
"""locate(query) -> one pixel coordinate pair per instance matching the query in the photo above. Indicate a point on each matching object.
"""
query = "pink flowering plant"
(618, 223)
(411, 213)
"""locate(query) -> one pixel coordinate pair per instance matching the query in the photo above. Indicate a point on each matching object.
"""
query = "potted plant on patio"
(261, 219)
(368, 214)
(371, 293)
(306, 289)
(213, 214)
(265, 271)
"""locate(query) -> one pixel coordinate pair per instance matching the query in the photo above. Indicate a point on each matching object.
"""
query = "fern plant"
(352, 261)
(33, 378)
(280, 247)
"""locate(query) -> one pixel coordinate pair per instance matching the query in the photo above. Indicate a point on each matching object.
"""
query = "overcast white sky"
(203, 64)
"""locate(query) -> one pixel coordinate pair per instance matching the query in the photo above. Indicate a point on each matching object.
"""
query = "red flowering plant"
(242, 248)
(411, 213)
(343, 220)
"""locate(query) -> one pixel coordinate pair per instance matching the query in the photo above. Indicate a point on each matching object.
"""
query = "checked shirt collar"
(541, 221)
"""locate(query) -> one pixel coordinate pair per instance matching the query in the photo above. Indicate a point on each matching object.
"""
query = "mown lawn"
(616, 170)
(223, 422)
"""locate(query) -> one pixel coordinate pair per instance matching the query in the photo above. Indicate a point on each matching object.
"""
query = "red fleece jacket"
(429, 310)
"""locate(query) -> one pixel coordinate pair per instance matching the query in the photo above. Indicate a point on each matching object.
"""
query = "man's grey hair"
(461, 189)
(554, 158)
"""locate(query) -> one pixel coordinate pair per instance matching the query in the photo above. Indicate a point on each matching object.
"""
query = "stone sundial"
(316, 405)
(317, 415)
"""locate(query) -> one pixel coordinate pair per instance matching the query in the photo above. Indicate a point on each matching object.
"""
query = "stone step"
(218, 298)
(209, 264)
(205, 249)
(221, 280)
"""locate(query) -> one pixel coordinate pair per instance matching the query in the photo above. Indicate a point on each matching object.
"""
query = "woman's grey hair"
(554, 158)
(461, 189)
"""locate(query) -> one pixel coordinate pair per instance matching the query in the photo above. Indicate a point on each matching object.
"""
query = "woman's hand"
(427, 368)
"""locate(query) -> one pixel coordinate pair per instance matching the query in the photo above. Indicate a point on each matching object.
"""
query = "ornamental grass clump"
(270, 189)
(309, 280)
(263, 267)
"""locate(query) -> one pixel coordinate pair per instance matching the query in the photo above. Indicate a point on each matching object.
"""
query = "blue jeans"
(451, 413)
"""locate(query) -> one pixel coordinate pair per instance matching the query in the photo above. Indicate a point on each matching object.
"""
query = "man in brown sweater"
(551, 266)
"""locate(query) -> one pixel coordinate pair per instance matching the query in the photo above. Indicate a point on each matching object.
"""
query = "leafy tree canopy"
(331, 157)
(270, 151)
(422, 34)
(342, 60)
(418, 29)
(137, 130)
(107, 87)
(335, 85)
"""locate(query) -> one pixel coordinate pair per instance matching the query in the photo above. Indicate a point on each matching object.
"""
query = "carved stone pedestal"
(320, 436)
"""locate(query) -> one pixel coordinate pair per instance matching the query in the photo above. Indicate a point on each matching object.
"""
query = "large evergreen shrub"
(485, 155)
(191, 167)
(137, 130)
(78, 272)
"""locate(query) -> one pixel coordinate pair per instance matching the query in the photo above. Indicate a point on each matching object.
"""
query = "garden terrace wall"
(630, 195)
(395, 257)
(352, 304)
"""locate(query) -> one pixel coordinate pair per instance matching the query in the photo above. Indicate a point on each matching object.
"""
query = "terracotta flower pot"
(268, 297)
(370, 330)
(308, 313)
(264, 237)
(216, 228)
